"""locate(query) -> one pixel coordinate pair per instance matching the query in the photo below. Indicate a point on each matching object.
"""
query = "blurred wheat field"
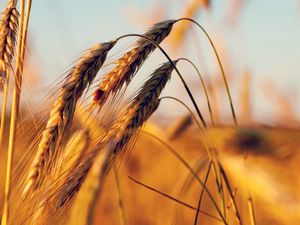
(100, 151)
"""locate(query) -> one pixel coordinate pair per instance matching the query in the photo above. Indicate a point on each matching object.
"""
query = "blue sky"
(265, 38)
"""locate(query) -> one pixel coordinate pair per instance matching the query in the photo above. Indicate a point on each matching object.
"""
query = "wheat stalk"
(127, 66)
(15, 104)
(78, 79)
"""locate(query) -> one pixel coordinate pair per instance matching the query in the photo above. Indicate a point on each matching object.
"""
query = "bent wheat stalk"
(220, 65)
(98, 93)
(78, 79)
(128, 65)
(204, 88)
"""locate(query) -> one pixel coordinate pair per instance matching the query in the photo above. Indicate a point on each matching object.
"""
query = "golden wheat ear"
(142, 106)
(8, 35)
(127, 66)
(61, 115)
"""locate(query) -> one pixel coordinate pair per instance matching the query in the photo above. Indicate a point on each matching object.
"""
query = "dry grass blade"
(8, 35)
(62, 112)
(130, 62)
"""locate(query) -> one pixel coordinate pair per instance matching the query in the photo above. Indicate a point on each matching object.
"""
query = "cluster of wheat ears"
(56, 174)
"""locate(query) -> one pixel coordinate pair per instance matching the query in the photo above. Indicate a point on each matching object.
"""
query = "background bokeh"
(261, 38)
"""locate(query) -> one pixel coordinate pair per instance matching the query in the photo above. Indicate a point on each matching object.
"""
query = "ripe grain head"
(78, 79)
(8, 34)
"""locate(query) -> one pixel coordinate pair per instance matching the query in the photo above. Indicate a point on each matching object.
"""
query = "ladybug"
(98, 94)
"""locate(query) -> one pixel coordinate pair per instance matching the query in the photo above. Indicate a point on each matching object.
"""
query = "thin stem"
(3, 113)
(204, 88)
(172, 198)
(220, 186)
(177, 71)
(28, 10)
(191, 170)
(220, 65)
(201, 195)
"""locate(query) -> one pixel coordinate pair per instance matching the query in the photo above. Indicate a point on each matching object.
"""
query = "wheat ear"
(127, 66)
(78, 79)
(8, 35)
(142, 106)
